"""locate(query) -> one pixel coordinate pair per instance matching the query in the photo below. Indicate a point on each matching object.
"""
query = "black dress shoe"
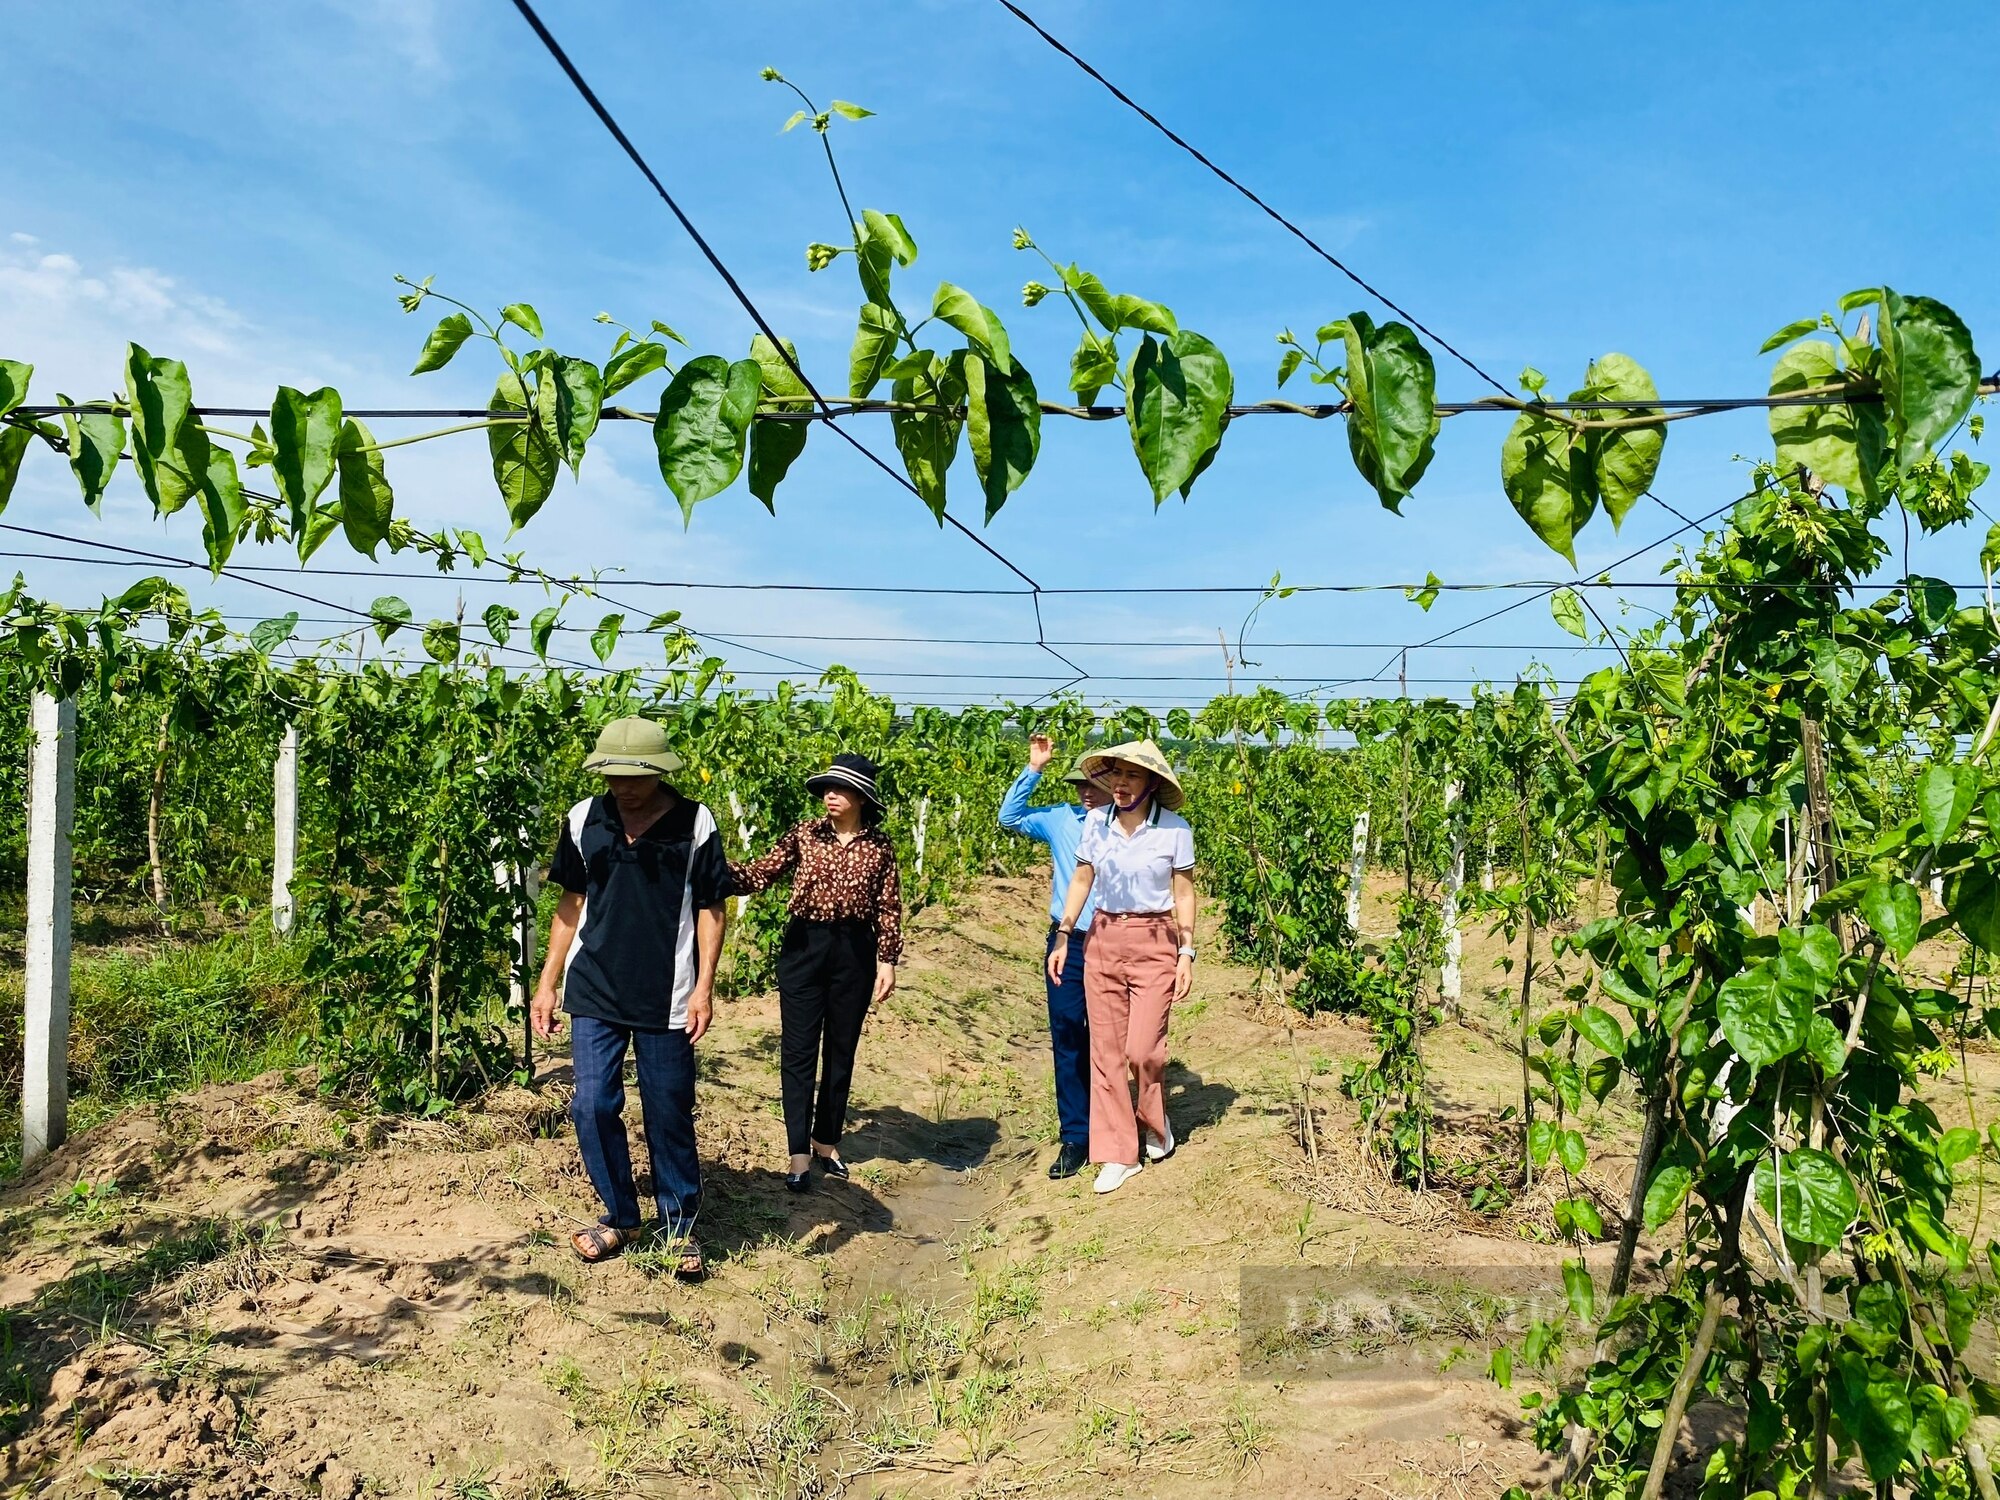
(833, 1166)
(1069, 1161)
(799, 1182)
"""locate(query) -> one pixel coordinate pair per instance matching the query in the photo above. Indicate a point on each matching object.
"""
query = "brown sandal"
(690, 1266)
(600, 1242)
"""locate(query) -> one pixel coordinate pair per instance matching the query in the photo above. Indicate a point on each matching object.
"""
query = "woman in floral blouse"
(839, 953)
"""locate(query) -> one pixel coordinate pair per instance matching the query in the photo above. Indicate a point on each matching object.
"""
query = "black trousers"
(826, 977)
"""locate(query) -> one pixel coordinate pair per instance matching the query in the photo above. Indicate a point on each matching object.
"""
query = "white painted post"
(1454, 881)
(1937, 889)
(284, 828)
(923, 818)
(527, 884)
(1486, 865)
(1357, 873)
(744, 832)
(51, 806)
(1790, 915)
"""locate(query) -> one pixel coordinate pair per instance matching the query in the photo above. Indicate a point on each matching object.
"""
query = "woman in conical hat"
(1137, 856)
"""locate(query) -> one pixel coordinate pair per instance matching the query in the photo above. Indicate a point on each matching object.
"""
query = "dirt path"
(279, 1297)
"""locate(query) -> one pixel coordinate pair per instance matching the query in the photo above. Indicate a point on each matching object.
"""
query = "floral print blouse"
(834, 882)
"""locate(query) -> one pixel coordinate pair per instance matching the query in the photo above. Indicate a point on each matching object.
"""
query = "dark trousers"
(1069, 1034)
(826, 977)
(666, 1097)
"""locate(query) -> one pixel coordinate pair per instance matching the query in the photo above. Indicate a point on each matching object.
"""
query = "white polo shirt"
(1135, 872)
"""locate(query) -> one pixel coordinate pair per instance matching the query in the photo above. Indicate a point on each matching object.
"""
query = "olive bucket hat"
(1147, 757)
(632, 747)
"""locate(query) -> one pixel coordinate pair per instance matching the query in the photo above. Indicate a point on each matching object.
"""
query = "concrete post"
(284, 828)
(51, 808)
(1357, 873)
(1454, 882)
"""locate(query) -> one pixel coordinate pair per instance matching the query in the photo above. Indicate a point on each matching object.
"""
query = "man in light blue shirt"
(1060, 827)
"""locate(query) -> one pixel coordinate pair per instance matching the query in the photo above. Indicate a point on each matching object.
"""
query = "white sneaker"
(1160, 1150)
(1113, 1175)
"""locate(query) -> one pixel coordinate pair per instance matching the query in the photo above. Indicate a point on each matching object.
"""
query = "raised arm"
(761, 874)
(1015, 816)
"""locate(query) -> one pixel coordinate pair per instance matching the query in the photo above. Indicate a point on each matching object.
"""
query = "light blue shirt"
(1060, 827)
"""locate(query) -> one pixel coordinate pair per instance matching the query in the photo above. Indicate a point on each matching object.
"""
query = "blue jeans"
(1069, 1033)
(666, 1098)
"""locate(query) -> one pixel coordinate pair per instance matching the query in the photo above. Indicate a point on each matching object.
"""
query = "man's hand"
(885, 982)
(701, 1010)
(1183, 978)
(1058, 957)
(544, 1013)
(1040, 749)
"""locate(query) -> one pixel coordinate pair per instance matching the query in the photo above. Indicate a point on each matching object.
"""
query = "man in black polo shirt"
(635, 940)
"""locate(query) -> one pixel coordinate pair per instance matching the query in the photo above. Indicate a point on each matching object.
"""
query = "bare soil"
(251, 1290)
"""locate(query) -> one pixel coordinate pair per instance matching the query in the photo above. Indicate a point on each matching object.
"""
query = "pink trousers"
(1128, 989)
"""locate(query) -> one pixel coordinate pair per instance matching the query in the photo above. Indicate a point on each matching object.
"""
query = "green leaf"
(1571, 1151)
(1426, 596)
(525, 458)
(887, 230)
(1601, 1030)
(1763, 1011)
(523, 317)
(1003, 421)
(1541, 1142)
(222, 507)
(1577, 1286)
(1288, 365)
(1789, 332)
(1092, 367)
(1933, 602)
(1973, 899)
(305, 437)
(579, 391)
(14, 377)
(1149, 317)
(367, 504)
(1894, 910)
(604, 639)
(1568, 610)
(1546, 472)
(1583, 1217)
(1957, 1145)
(1838, 668)
(1394, 423)
(1177, 394)
(1875, 1409)
(1810, 1195)
(928, 440)
(13, 447)
(272, 634)
(1930, 373)
(441, 641)
(1092, 294)
(1823, 438)
(852, 112)
(1624, 460)
(500, 622)
(96, 439)
(874, 349)
(389, 614)
(629, 365)
(980, 325)
(774, 444)
(1989, 552)
(542, 627)
(474, 545)
(1666, 1193)
(1946, 793)
(703, 424)
(446, 339)
(160, 399)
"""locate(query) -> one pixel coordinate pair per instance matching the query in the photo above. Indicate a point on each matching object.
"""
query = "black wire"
(604, 116)
(1297, 233)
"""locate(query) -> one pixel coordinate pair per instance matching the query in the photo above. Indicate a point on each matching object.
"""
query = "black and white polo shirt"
(633, 962)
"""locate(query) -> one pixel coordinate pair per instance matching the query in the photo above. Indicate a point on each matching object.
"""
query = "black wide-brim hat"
(850, 773)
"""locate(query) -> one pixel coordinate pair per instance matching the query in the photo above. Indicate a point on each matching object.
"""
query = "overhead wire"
(715, 261)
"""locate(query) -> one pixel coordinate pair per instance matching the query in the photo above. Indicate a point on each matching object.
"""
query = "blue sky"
(236, 186)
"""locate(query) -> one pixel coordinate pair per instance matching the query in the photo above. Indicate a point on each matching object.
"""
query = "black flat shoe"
(1069, 1161)
(833, 1166)
(799, 1182)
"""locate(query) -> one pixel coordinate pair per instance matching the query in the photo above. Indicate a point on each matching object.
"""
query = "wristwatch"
(1186, 951)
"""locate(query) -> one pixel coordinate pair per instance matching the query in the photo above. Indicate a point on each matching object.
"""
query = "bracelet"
(1187, 952)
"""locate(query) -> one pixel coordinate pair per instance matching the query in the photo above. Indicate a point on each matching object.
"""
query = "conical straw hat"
(1147, 757)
